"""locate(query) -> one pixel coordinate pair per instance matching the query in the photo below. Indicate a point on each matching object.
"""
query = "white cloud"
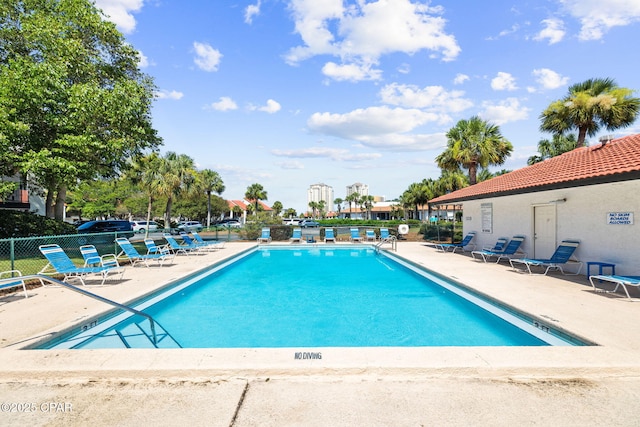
(503, 81)
(380, 127)
(251, 11)
(432, 98)
(119, 12)
(270, 107)
(143, 61)
(207, 58)
(553, 31)
(508, 110)
(339, 154)
(165, 94)
(597, 16)
(351, 72)
(328, 28)
(293, 164)
(460, 78)
(549, 79)
(224, 104)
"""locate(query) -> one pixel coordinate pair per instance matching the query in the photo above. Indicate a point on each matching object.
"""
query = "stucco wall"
(583, 216)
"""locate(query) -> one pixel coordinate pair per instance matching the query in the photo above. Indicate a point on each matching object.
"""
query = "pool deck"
(590, 385)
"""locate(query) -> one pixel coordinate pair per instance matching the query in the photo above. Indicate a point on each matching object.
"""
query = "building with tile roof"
(590, 194)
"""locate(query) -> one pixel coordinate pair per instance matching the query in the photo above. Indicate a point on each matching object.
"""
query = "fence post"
(12, 253)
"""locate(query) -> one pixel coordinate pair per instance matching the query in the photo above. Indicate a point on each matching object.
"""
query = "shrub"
(25, 224)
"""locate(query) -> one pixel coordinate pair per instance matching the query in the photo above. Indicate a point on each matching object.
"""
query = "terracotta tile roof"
(242, 204)
(617, 160)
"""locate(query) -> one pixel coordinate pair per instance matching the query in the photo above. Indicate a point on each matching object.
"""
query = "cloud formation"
(207, 58)
(549, 79)
(251, 11)
(553, 31)
(270, 107)
(505, 111)
(504, 81)
(120, 12)
(166, 94)
(598, 17)
(338, 154)
(331, 28)
(224, 104)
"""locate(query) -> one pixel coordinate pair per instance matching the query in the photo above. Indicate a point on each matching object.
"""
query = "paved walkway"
(585, 386)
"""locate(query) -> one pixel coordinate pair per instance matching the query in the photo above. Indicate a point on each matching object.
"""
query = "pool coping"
(613, 357)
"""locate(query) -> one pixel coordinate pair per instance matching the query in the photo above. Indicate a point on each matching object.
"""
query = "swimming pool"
(314, 297)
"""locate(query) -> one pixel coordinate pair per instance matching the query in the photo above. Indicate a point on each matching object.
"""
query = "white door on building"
(544, 233)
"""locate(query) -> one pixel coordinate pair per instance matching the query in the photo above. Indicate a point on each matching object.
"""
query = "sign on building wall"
(486, 212)
(620, 218)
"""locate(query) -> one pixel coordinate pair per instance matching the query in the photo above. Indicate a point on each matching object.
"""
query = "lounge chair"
(215, 244)
(623, 281)
(498, 246)
(296, 236)
(192, 243)
(386, 237)
(560, 257)
(93, 259)
(154, 249)
(176, 248)
(508, 251)
(370, 236)
(329, 235)
(467, 241)
(60, 263)
(131, 253)
(265, 236)
(355, 235)
(11, 279)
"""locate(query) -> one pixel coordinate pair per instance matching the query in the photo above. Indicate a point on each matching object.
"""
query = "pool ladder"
(390, 239)
(42, 278)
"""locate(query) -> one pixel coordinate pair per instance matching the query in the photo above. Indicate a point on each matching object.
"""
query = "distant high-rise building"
(358, 187)
(318, 192)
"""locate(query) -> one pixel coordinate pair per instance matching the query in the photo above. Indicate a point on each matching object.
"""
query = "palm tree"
(451, 181)
(352, 198)
(211, 182)
(178, 175)
(255, 193)
(313, 205)
(321, 205)
(277, 207)
(145, 172)
(338, 202)
(472, 144)
(558, 145)
(367, 201)
(418, 194)
(590, 106)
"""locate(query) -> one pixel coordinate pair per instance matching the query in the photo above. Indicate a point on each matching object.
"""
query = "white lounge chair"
(623, 281)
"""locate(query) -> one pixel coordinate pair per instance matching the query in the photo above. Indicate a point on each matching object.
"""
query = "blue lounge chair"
(467, 241)
(60, 263)
(560, 257)
(499, 245)
(384, 234)
(512, 248)
(329, 235)
(189, 242)
(355, 235)
(265, 236)
(93, 259)
(370, 236)
(296, 235)
(11, 279)
(153, 248)
(623, 281)
(131, 253)
(176, 248)
(215, 244)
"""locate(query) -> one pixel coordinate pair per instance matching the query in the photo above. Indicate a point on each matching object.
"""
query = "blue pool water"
(315, 297)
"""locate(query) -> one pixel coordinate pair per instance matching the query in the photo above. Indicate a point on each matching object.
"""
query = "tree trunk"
(167, 213)
(61, 198)
(473, 171)
(48, 203)
(582, 136)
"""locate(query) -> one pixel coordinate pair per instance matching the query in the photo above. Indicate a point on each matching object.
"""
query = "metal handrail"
(42, 277)
(391, 239)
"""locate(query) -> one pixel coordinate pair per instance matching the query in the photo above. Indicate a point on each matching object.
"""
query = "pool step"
(138, 335)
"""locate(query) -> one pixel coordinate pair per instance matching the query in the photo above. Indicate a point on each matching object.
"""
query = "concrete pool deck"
(593, 385)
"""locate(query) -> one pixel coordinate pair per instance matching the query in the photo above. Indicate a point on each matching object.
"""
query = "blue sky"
(289, 93)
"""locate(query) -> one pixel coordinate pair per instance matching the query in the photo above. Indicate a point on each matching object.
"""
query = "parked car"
(142, 226)
(307, 223)
(190, 226)
(291, 221)
(231, 223)
(123, 228)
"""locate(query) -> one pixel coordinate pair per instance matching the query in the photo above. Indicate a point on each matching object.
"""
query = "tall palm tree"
(210, 182)
(255, 193)
(145, 172)
(590, 106)
(321, 205)
(277, 207)
(313, 205)
(352, 198)
(451, 181)
(338, 202)
(558, 145)
(472, 144)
